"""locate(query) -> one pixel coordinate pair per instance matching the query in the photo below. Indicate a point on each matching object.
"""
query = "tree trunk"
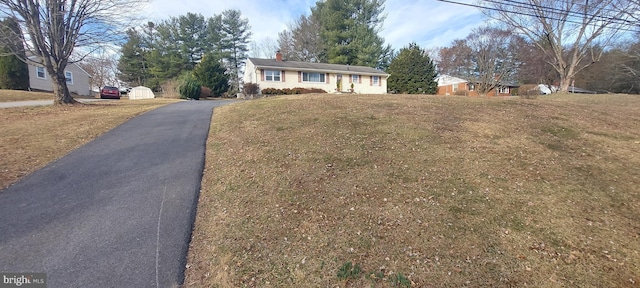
(564, 85)
(567, 77)
(60, 89)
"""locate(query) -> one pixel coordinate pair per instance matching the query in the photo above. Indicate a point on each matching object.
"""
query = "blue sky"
(429, 23)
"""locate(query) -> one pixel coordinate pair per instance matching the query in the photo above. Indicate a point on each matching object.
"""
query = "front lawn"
(397, 190)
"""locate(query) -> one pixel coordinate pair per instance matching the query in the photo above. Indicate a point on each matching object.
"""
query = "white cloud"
(427, 22)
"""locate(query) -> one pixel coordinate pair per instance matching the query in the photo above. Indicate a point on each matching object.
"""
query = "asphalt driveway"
(117, 212)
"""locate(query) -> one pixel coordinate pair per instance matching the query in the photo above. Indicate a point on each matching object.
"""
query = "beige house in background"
(280, 74)
(77, 79)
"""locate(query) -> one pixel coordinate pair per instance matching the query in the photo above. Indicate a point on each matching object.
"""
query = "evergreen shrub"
(189, 88)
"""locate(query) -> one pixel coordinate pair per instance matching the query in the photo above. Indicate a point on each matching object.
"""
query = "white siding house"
(281, 74)
(77, 79)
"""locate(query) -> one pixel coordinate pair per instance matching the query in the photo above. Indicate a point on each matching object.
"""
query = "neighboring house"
(449, 85)
(77, 79)
(280, 74)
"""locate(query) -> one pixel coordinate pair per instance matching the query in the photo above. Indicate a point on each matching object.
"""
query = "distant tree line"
(558, 43)
(214, 48)
(488, 60)
(617, 71)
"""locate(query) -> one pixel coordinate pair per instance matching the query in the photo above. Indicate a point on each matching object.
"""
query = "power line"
(529, 14)
(525, 5)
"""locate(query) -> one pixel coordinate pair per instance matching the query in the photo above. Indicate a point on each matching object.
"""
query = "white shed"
(141, 92)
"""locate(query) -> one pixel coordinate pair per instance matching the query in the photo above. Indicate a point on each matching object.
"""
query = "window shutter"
(261, 74)
(359, 79)
(326, 76)
(282, 77)
(370, 80)
(350, 78)
(379, 80)
(299, 76)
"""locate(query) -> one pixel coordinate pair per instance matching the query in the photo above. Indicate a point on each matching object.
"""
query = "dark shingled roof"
(323, 67)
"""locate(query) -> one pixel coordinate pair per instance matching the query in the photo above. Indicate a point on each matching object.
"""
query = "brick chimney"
(278, 56)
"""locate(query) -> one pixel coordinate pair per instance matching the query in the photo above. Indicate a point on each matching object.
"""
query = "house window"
(455, 87)
(40, 73)
(472, 87)
(313, 77)
(503, 90)
(355, 78)
(375, 80)
(271, 75)
(69, 76)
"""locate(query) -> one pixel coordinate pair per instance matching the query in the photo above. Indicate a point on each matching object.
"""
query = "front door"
(339, 83)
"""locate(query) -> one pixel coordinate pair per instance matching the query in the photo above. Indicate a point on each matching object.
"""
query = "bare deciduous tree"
(55, 28)
(286, 45)
(266, 48)
(456, 59)
(487, 58)
(565, 30)
(617, 72)
(103, 68)
(534, 65)
(302, 42)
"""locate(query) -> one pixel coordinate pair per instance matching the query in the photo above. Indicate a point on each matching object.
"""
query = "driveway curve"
(118, 211)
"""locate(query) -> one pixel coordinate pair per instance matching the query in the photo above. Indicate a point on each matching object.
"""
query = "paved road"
(117, 212)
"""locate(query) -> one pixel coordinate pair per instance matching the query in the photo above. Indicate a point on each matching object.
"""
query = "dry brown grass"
(445, 191)
(34, 136)
(17, 95)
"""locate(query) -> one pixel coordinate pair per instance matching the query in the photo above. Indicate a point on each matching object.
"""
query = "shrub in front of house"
(250, 89)
(205, 92)
(291, 91)
(300, 90)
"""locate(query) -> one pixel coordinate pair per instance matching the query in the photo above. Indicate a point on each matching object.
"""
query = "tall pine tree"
(235, 41)
(349, 31)
(166, 58)
(215, 36)
(192, 36)
(133, 64)
(412, 72)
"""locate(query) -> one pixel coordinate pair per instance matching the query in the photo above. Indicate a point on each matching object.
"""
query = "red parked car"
(109, 92)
